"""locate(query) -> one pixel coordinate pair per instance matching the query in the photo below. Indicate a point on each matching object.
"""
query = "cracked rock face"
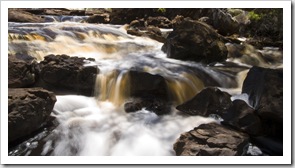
(28, 110)
(211, 140)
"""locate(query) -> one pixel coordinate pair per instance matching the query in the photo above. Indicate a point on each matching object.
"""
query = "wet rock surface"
(211, 140)
(209, 101)
(28, 110)
(244, 118)
(69, 74)
(21, 71)
(265, 89)
(146, 85)
(151, 32)
(194, 41)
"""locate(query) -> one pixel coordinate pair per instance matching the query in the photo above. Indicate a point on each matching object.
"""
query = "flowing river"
(99, 125)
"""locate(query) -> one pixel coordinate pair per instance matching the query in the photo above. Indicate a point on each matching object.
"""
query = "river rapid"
(99, 125)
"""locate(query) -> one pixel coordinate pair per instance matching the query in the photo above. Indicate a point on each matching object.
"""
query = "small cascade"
(184, 88)
(113, 87)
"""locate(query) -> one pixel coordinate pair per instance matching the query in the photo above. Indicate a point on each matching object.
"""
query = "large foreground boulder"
(211, 140)
(209, 101)
(21, 71)
(28, 110)
(194, 41)
(61, 73)
(265, 89)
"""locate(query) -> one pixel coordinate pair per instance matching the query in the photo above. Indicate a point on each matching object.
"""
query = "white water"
(100, 128)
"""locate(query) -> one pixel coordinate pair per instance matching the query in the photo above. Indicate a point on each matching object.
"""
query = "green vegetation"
(161, 10)
(254, 16)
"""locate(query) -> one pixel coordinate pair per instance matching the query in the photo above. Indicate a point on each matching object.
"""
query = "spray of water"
(91, 128)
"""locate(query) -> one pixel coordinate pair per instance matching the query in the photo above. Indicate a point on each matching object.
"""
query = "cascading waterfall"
(98, 125)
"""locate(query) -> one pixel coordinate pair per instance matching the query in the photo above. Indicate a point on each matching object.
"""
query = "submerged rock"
(21, 71)
(61, 73)
(28, 110)
(211, 140)
(265, 89)
(154, 105)
(209, 101)
(194, 41)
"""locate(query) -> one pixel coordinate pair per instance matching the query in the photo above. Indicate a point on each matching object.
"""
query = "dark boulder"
(244, 118)
(147, 86)
(139, 23)
(194, 41)
(209, 101)
(140, 89)
(21, 71)
(265, 89)
(155, 105)
(126, 15)
(28, 110)
(98, 18)
(159, 21)
(77, 12)
(15, 15)
(211, 140)
(61, 73)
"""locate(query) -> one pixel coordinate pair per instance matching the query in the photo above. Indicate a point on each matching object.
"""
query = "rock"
(220, 19)
(21, 71)
(77, 12)
(15, 15)
(67, 74)
(135, 32)
(139, 23)
(244, 118)
(98, 18)
(147, 86)
(159, 21)
(28, 110)
(211, 140)
(49, 11)
(151, 32)
(223, 22)
(155, 105)
(209, 101)
(126, 15)
(265, 89)
(194, 41)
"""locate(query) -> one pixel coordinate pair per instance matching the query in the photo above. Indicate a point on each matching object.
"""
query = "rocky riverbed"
(192, 82)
